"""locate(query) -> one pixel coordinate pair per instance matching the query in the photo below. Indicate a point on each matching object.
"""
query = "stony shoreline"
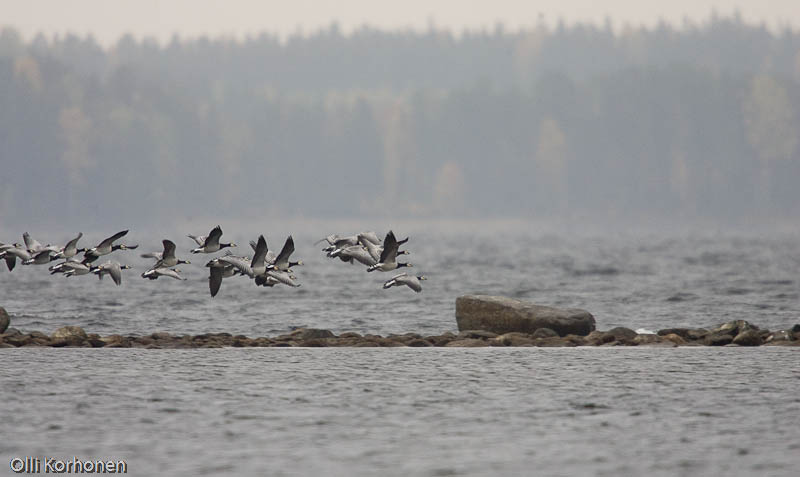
(735, 333)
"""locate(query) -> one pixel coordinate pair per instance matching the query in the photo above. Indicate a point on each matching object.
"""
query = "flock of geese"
(265, 268)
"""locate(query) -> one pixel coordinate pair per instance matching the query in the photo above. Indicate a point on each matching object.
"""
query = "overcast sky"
(106, 20)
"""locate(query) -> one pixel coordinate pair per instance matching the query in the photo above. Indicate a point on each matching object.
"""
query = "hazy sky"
(107, 19)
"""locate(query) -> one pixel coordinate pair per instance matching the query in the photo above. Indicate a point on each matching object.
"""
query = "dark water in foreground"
(429, 412)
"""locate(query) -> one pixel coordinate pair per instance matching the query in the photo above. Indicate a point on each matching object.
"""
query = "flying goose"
(166, 258)
(388, 258)
(10, 261)
(410, 281)
(40, 258)
(72, 268)
(354, 252)
(210, 243)
(375, 250)
(61, 267)
(11, 254)
(217, 271)
(154, 273)
(111, 268)
(71, 248)
(105, 247)
(337, 241)
(281, 262)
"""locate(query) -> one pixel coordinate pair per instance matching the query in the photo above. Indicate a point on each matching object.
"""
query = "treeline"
(700, 120)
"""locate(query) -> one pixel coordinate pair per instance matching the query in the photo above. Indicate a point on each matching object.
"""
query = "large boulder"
(5, 320)
(505, 315)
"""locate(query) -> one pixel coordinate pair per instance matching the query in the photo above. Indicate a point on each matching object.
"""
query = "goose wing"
(373, 249)
(357, 252)
(213, 237)
(114, 269)
(370, 237)
(342, 242)
(30, 243)
(169, 249)
(19, 253)
(72, 265)
(107, 242)
(389, 253)
(393, 281)
(286, 251)
(260, 253)
(170, 272)
(199, 239)
(283, 277)
(330, 239)
(71, 248)
(215, 280)
(409, 280)
(239, 263)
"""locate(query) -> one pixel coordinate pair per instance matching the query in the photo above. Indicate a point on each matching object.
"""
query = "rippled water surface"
(432, 412)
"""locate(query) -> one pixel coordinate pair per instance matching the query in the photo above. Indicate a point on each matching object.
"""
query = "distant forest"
(690, 121)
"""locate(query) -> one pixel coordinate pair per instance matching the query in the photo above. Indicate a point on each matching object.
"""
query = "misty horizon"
(573, 123)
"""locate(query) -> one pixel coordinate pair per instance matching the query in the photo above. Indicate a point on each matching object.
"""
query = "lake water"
(430, 412)
(489, 411)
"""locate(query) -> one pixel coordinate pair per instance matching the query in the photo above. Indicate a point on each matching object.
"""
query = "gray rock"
(697, 334)
(733, 328)
(68, 332)
(515, 339)
(544, 333)
(620, 333)
(419, 343)
(311, 334)
(719, 339)
(467, 343)
(682, 332)
(476, 334)
(5, 320)
(748, 338)
(504, 315)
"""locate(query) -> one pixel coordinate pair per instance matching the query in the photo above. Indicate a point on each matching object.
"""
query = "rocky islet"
(530, 332)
